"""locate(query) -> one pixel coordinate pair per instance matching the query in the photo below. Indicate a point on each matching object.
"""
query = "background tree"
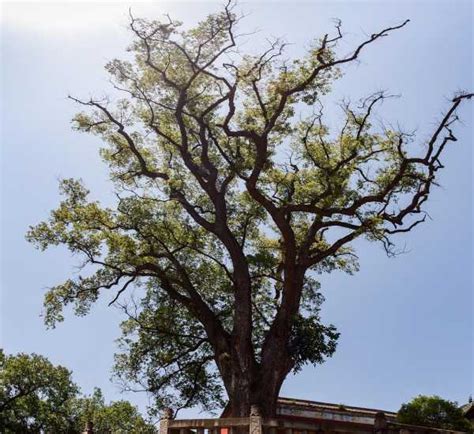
(435, 412)
(232, 194)
(116, 417)
(37, 397)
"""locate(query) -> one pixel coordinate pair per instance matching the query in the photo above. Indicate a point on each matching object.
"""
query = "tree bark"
(263, 394)
(249, 382)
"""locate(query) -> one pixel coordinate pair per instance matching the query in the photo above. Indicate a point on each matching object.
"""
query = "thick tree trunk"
(251, 383)
(265, 399)
(262, 389)
(267, 396)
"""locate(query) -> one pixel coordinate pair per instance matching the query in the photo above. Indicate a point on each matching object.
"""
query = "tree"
(117, 417)
(229, 205)
(435, 412)
(38, 397)
(35, 395)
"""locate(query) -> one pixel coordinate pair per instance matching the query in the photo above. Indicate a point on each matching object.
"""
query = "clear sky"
(406, 322)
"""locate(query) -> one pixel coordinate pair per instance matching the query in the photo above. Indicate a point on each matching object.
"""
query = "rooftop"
(318, 405)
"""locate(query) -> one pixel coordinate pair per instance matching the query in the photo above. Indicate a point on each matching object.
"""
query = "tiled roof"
(317, 405)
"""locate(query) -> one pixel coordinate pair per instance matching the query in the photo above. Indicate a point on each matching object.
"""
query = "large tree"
(232, 193)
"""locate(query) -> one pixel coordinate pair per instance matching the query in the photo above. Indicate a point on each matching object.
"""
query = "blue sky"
(406, 322)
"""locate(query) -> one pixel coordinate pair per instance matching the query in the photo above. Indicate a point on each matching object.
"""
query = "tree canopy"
(119, 417)
(232, 194)
(35, 395)
(434, 411)
(38, 397)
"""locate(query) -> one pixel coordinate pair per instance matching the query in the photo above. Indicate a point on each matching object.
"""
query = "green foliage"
(434, 411)
(119, 417)
(311, 341)
(36, 396)
(157, 339)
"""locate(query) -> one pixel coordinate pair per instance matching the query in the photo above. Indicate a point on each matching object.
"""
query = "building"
(344, 419)
(296, 416)
(468, 410)
(332, 417)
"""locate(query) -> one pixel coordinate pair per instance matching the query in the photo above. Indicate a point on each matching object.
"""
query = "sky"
(406, 322)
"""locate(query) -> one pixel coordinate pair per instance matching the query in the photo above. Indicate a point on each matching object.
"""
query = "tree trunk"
(249, 382)
(260, 389)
